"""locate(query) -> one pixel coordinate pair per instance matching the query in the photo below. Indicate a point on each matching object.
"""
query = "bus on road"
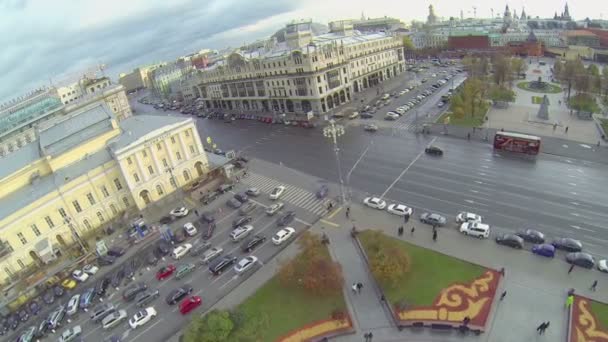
(517, 142)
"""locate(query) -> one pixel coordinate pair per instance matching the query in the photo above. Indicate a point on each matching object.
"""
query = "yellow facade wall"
(79, 152)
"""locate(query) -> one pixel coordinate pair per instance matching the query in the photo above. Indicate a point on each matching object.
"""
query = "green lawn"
(537, 99)
(601, 312)
(430, 273)
(604, 123)
(466, 121)
(289, 309)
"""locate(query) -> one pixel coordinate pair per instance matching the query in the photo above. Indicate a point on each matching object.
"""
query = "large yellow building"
(85, 170)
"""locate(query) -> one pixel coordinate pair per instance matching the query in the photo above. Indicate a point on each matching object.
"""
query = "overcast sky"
(44, 40)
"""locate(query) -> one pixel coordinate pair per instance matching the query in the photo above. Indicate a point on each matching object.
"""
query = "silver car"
(114, 319)
(211, 254)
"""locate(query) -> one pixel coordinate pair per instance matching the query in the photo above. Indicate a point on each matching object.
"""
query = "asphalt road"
(210, 288)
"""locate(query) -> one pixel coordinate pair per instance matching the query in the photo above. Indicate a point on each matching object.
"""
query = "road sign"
(208, 140)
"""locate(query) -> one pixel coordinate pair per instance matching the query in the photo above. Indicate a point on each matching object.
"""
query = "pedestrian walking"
(571, 268)
(434, 236)
(347, 212)
(569, 301)
(412, 231)
(542, 331)
(566, 130)
(554, 126)
(366, 336)
(540, 328)
(406, 218)
(593, 286)
(355, 288)
(400, 231)
(503, 295)
(502, 271)
(468, 136)
(196, 213)
(371, 336)
(382, 298)
(359, 287)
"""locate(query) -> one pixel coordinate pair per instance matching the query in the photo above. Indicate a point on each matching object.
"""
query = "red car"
(165, 272)
(189, 304)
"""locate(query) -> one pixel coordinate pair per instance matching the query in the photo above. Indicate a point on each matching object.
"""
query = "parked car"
(400, 210)
(245, 264)
(602, 266)
(28, 335)
(433, 219)
(247, 208)
(370, 128)
(116, 251)
(72, 306)
(133, 290)
(286, 218)
(568, 244)
(241, 197)
(234, 203)
(209, 197)
(225, 188)
(480, 230)
(151, 259)
(241, 221)
(23, 315)
(211, 254)
(510, 240)
(190, 229)
(200, 248)
(283, 235)
(117, 277)
(90, 269)
(42, 329)
(55, 317)
(163, 248)
(464, 216)
(71, 334)
(142, 317)
(375, 202)
(207, 217)
(531, 235)
(277, 192)
(34, 307)
(101, 311)
(253, 192)
(165, 272)
(114, 319)
(433, 150)
(581, 259)
(252, 243)
(180, 251)
(48, 297)
(177, 294)
(102, 286)
(183, 270)
(80, 276)
(166, 220)
(179, 237)
(274, 208)
(179, 212)
(58, 291)
(86, 298)
(106, 260)
(545, 249)
(220, 265)
(146, 297)
(241, 232)
(189, 304)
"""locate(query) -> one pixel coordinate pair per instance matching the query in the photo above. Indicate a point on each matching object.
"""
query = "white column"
(159, 170)
(144, 175)
(169, 153)
(185, 151)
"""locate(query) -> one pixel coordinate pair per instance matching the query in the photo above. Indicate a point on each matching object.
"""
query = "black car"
(209, 231)
(253, 242)
(166, 219)
(220, 265)
(243, 158)
(510, 240)
(177, 294)
(33, 307)
(209, 197)
(287, 218)
(581, 259)
(48, 297)
(13, 321)
(146, 297)
(207, 217)
(116, 251)
(531, 235)
(225, 188)
(117, 277)
(133, 290)
(567, 244)
(163, 248)
(106, 260)
(42, 330)
(233, 203)
(239, 164)
(131, 267)
(241, 197)
(241, 221)
(102, 286)
(58, 291)
(23, 315)
(366, 115)
(179, 237)
(152, 259)
(200, 248)
(433, 150)
(322, 192)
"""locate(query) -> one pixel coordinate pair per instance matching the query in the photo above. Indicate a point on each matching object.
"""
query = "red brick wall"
(468, 42)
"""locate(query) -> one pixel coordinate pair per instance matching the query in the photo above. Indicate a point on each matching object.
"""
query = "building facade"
(306, 73)
(138, 78)
(84, 171)
(167, 77)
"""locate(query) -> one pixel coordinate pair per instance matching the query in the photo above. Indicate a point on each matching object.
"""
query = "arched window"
(113, 208)
(100, 217)
(186, 175)
(159, 190)
(86, 224)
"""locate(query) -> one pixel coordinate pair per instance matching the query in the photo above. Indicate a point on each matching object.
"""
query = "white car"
(477, 229)
(180, 251)
(602, 266)
(245, 264)
(179, 212)
(277, 192)
(240, 232)
(72, 307)
(70, 334)
(464, 216)
(90, 269)
(80, 276)
(190, 229)
(391, 116)
(142, 317)
(375, 202)
(400, 110)
(274, 208)
(283, 235)
(400, 210)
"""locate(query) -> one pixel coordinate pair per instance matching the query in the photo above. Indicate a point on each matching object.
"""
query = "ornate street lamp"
(332, 132)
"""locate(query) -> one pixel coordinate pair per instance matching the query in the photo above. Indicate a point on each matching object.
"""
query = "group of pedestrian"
(368, 336)
(542, 327)
(357, 287)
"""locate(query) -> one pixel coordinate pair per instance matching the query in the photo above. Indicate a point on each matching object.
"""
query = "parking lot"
(206, 285)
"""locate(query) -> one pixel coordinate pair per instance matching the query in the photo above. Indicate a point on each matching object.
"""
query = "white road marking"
(473, 202)
(147, 329)
(481, 173)
(405, 170)
(474, 191)
(581, 228)
(565, 146)
(575, 203)
(485, 166)
(575, 214)
(478, 182)
(584, 145)
(573, 184)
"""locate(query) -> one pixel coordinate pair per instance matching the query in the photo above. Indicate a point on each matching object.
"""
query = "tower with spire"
(566, 14)
(507, 18)
(432, 18)
(523, 14)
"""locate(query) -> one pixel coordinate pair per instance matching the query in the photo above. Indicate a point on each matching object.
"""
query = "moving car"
(283, 235)
(71, 334)
(370, 128)
(241, 197)
(177, 294)
(464, 216)
(190, 229)
(322, 192)
(433, 150)
(277, 192)
(101, 311)
(207, 217)
(146, 297)
(80, 275)
(55, 317)
(101, 286)
(86, 298)
(183, 270)
(142, 317)
(252, 243)
(200, 248)
(602, 266)
(211, 254)
(72, 307)
(274, 208)
(165, 272)
(253, 192)
(180, 251)
(241, 221)
(241, 232)
(219, 266)
(286, 218)
(234, 203)
(247, 208)
(581, 259)
(245, 264)
(545, 249)
(568, 244)
(68, 283)
(116, 251)
(433, 219)
(113, 319)
(400, 210)
(189, 304)
(390, 116)
(179, 212)
(510, 240)
(477, 229)
(133, 290)
(531, 235)
(374, 202)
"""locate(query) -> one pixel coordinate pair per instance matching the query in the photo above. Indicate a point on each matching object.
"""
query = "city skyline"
(70, 37)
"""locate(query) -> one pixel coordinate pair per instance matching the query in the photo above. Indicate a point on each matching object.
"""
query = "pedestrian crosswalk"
(294, 195)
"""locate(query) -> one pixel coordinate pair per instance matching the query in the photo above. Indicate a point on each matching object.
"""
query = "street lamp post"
(332, 132)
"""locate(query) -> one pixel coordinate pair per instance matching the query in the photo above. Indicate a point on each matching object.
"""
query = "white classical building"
(305, 73)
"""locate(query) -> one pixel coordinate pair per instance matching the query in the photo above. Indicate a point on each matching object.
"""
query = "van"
(184, 270)
(114, 319)
(477, 229)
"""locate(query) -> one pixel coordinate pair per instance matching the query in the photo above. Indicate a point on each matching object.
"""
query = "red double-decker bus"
(517, 142)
